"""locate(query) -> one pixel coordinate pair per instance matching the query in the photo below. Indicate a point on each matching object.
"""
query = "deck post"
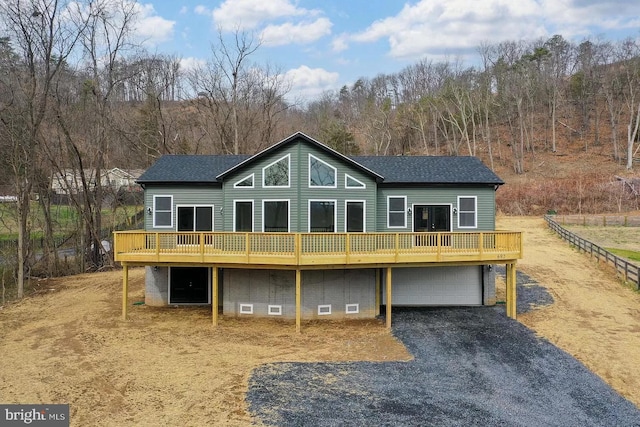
(125, 290)
(511, 290)
(214, 295)
(378, 290)
(507, 288)
(514, 294)
(298, 300)
(388, 307)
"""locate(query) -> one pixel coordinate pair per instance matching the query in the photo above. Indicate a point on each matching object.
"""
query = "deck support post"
(298, 300)
(378, 290)
(388, 306)
(214, 295)
(125, 290)
(511, 305)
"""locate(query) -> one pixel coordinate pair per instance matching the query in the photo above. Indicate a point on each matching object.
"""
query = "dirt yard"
(594, 317)
(67, 343)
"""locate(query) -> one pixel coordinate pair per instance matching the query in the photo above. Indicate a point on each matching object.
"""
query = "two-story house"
(302, 231)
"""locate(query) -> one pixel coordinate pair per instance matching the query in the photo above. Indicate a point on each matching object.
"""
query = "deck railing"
(315, 248)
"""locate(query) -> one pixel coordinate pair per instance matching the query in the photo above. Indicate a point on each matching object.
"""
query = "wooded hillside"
(557, 120)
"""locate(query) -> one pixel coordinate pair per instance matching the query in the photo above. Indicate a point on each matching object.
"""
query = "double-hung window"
(163, 211)
(396, 212)
(467, 212)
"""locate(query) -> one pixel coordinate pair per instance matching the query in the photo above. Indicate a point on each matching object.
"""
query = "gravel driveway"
(472, 366)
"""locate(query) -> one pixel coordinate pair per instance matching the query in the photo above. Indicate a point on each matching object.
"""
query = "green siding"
(299, 192)
(184, 195)
(440, 196)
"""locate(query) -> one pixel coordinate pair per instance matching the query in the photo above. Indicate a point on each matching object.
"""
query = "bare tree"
(44, 39)
(85, 124)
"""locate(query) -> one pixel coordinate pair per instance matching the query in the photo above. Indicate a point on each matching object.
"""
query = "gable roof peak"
(296, 136)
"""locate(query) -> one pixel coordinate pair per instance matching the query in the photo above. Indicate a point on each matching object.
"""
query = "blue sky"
(323, 45)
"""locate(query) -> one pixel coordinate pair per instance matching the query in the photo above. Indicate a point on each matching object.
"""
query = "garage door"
(436, 286)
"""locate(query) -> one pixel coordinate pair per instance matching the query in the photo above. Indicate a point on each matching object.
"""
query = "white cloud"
(308, 83)
(248, 14)
(192, 63)
(454, 24)
(303, 33)
(202, 10)
(152, 28)
(183, 10)
(339, 44)
(436, 26)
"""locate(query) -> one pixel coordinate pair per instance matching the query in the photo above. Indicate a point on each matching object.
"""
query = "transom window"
(467, 212)
(243, 215)
(351, 182)
(396, 211)
(276, 174)
(322, 216)
(321, 174)
(163, 211)
(354, 216)
(246, 182)
(275, 216)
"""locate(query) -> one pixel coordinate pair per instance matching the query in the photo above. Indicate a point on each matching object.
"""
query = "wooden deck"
(302, 251)
(309, 250)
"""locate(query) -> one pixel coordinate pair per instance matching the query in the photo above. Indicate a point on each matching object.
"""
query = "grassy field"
(65, 219)
(622, 241)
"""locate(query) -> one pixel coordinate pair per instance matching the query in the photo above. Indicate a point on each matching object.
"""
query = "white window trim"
(352, 308)
(364, 214)
(362, 184)
(274, 310)
(335, 213)
(288, 157)
(245, 308)
(209, 278)
(154, 211)
(335, 174)
(253, 215)
(324, 307)
(288, 212)
(253, 181)
(405, 211)
(475, 213)
(188, 205)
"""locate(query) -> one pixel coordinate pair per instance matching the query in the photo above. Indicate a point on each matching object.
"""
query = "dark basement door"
(189, 285)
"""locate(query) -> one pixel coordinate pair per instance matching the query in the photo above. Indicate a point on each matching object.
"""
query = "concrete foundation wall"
(156, 292)
(257, 290)
(489, 284)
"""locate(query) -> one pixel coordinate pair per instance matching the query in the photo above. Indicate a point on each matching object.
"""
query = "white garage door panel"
(436, 286)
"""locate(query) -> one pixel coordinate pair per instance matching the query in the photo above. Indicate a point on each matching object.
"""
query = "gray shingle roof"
(189, 168)
(386, 169)
(430, 169)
